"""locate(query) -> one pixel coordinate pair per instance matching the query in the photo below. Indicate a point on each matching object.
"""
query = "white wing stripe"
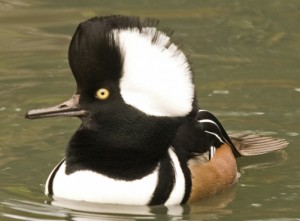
(216, 135)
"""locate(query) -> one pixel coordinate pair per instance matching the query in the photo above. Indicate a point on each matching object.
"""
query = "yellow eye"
(102, 94)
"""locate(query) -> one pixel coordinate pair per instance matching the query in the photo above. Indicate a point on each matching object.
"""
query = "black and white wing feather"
(201, 136)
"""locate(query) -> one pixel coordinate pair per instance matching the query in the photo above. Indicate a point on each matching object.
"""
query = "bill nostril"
(62, 106)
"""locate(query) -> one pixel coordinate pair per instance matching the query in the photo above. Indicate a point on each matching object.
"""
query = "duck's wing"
(214, 130)
(201, 136)
(242, 144)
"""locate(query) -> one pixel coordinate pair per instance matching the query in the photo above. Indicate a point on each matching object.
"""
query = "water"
(245, 56)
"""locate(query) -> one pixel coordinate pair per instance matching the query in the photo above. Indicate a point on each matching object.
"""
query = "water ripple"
(239, 113)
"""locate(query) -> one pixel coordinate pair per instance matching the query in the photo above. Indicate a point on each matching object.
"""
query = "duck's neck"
(121, 150)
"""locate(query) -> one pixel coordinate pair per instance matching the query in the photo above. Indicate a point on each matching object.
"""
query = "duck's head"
(126, 72)
(134, 90)
(131, 81)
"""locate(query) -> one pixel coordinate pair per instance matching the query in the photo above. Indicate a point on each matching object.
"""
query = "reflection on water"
(59, 209)
(245, 56)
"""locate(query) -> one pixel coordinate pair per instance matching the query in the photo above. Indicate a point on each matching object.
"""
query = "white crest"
(156, 75)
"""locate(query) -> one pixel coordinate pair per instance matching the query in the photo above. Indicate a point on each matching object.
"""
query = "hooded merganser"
(143, 140)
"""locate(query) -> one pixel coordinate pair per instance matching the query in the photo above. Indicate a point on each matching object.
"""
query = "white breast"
(93, 187)
(90, 186)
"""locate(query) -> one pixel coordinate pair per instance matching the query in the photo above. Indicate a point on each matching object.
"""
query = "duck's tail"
(250, 144)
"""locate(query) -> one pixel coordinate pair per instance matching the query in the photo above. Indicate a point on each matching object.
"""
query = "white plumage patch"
(85, 185)
(156, 75)
(178, 191)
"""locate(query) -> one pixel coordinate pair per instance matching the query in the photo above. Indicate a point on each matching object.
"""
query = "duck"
(143, 139)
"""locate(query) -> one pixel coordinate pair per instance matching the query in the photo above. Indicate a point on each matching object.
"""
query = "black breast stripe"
(51, 178)
(186, 172)
(166, 181)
